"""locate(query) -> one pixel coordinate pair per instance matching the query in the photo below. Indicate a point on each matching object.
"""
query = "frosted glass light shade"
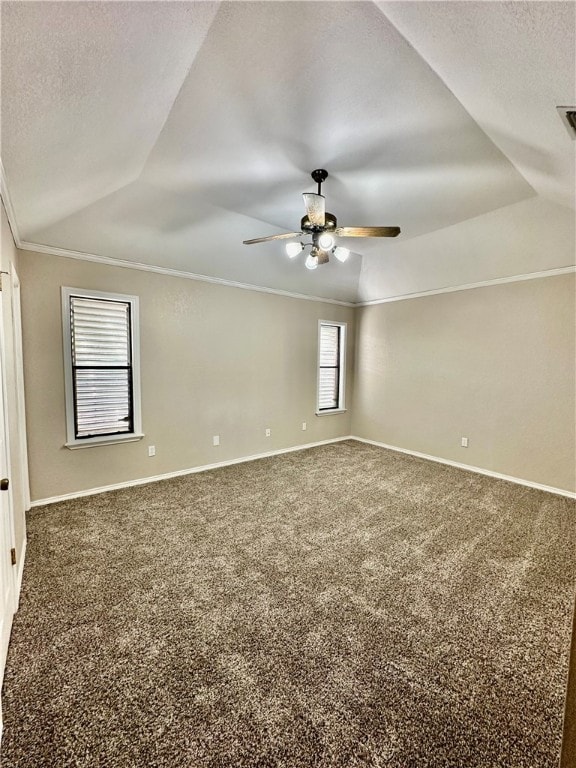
(341, 253)
(293, 249)
(325, 241)
(311, 262)
(315, 208)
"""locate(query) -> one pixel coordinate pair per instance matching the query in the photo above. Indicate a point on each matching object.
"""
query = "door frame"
(19, 381)
(7, 533)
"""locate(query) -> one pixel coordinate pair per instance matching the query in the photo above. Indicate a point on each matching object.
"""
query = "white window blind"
(102, 381)
(329, 367)
(101, 364)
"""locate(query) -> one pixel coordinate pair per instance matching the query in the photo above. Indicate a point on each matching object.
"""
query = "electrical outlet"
(304, 426)
(464, 442)
(268, 433)
(151, 450)
(216, 440)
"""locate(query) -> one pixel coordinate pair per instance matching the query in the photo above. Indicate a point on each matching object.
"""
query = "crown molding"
(470, 286)
(7, 200)
(24, 245)
(124, 264)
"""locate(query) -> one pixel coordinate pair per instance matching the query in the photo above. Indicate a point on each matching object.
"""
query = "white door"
(7, 583)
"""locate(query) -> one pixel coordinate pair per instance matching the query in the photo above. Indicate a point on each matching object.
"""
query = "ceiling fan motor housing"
(329, 224)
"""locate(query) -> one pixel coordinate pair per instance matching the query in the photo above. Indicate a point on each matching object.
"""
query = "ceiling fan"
(322, 227)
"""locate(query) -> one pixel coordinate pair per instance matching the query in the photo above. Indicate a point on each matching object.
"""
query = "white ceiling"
(166, 133)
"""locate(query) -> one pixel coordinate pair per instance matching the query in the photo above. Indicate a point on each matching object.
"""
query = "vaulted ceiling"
(166, 133)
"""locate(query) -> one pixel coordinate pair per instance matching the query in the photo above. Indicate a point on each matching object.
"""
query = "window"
(101, 367)
(331, 347)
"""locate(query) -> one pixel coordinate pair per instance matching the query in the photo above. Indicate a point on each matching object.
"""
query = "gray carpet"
(341, 606)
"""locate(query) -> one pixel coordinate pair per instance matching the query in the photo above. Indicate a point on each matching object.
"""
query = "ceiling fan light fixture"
(326, 241)
(311, 261)
(294, 249)
(341, 253)
(321, 226)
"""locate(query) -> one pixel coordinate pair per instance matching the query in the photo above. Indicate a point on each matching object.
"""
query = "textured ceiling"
(509, 65)
(166, 133)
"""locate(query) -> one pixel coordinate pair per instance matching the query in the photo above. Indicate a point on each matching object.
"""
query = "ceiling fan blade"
(315, 208)
(271, 237)
(367, 231)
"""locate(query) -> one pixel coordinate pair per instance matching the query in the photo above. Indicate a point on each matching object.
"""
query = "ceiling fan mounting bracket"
(319, 175)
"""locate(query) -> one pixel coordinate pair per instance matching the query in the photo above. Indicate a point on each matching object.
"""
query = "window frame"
(72, 441)
(341, 405)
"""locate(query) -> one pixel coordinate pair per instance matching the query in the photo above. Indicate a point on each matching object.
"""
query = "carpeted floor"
(341, 606)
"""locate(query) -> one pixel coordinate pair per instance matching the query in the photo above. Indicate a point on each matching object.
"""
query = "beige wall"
(495, 364)
(9, 264)
(215, 360)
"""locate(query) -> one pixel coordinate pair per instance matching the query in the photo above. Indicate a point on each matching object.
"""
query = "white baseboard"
(242, 459)
(470, 468)
(180, 472)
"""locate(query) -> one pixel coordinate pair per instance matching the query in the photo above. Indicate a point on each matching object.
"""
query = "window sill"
(94, 442)
(331, 412)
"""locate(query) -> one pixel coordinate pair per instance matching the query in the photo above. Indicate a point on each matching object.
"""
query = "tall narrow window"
(101, 357)
(331, 367)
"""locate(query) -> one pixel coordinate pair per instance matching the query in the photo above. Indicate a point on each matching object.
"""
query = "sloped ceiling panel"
(281, 88)
(510, 64)
(167, 133)
(86, 89)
